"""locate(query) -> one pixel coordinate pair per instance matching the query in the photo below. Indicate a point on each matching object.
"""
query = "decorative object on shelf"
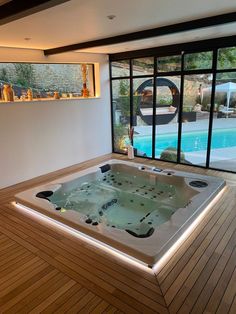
(64, 95)
(130, 148)
(29, 94)
(84, 91)
(8, 93)
(56, 95)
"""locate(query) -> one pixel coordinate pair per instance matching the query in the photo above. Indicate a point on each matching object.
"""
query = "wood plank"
(4, 243)
(38, 295)
(6, 277)
(110, 310)
(62, 288)
(86, 267)
(71, 301)
(85, 261)
(91, 305)
(133, 302)
(119, 303)
(229, 295)
(200, 274)
(13, 264)
(100, 308)
(17, 293)
(60, 302)
(25, 279)
(12, 253)
(233, 306)
(209, 287)
(18, 240)
(184, 253)
(203, 275)
(70, 243)
(78, 306)
(210, 240)
(221, 287)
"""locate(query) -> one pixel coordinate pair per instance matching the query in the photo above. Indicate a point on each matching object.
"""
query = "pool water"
(120, 200)
(190, 142)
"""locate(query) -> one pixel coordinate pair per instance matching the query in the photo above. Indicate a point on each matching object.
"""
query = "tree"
(24, 74)
(3, 75)
(227, 58)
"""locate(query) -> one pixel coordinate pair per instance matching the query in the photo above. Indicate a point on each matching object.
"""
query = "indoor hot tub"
(137, 209)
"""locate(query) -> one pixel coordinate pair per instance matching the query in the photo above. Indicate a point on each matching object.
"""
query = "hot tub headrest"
(44, 195)
(105, 168)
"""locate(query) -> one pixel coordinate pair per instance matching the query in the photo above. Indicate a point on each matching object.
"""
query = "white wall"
(43, 136)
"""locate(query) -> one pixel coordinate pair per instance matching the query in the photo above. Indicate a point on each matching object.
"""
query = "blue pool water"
(191, 141)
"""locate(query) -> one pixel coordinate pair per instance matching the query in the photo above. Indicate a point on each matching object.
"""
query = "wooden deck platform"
(45, 270)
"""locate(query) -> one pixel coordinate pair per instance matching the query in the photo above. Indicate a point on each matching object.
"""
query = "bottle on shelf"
(8, 93)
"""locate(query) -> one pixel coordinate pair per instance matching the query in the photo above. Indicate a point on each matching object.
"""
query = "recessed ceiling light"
(27, 38)
(111, 17)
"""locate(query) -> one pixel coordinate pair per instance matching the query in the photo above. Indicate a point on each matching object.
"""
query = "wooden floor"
(46, 270)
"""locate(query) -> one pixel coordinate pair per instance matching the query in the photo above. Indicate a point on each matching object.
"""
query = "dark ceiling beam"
(189, 47)
(154, 32)
(17, 9)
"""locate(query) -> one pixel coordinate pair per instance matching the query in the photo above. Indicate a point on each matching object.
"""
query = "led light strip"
(103, 246)
(118, 254)
(166, 257)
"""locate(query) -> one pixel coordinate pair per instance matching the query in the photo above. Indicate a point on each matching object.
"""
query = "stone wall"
(65, 78)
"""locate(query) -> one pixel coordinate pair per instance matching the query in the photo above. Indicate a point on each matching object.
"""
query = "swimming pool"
(137, 209)
(191, 141)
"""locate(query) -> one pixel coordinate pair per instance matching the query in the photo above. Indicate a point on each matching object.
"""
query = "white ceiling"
(80, 21)
(195, 35)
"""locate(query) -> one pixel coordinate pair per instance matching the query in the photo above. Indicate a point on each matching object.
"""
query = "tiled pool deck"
(220, 158)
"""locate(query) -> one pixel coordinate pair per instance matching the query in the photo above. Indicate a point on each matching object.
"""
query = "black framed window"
(182, 105)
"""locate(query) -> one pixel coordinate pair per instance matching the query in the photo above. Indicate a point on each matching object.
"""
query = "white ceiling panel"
(80, 21)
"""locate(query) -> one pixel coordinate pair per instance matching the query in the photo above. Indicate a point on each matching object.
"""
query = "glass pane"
(28, 81)
(143, 115)
(167, 108)
(195, 117)
(223, 144)
(143, 66)
(120, 68)
(226, 58)
(121, 113)
(169, 64)
(197, 61)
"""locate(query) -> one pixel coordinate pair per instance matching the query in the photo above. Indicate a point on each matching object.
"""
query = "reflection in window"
(223, 144)
(120, 68)
(121, 113)
(28, 81)
(143, 115)
(226, 58)
(197, 61)
(143, 66)
(195, 118)
(169, 64)
(167, 109)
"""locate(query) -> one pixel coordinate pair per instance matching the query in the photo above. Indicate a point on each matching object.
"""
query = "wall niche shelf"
(36, 82)
(40, 100)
